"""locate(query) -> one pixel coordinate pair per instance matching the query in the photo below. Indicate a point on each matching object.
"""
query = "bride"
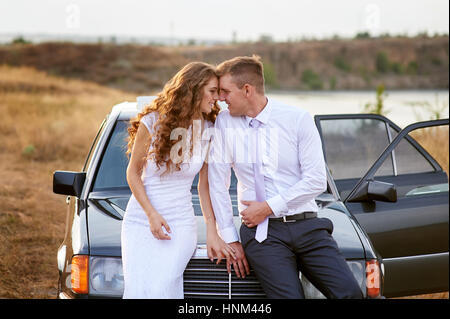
(159, 233)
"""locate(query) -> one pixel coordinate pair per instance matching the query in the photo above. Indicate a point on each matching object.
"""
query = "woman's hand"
(157, 222)
(217, 247)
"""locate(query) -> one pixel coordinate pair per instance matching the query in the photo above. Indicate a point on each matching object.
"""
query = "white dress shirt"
(293, 164)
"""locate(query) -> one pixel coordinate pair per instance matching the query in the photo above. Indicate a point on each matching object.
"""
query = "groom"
(279, 178)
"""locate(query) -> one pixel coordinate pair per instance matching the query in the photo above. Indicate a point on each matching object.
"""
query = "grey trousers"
(306, 246)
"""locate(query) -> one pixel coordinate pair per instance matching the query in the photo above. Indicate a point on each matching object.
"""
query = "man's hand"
(255, 213)
(240, 263)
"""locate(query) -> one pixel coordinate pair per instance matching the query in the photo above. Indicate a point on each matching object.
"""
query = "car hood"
(344, 232)
(105, 213)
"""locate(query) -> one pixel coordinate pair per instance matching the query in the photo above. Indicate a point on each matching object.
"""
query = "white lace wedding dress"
(154, 268)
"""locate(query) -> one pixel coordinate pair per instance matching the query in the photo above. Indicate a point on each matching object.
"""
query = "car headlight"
(356, 266)
(105, 276)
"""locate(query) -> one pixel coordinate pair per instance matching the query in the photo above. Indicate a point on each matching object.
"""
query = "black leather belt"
(294, 218)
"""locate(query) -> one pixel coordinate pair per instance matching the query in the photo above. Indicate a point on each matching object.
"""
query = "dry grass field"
(435, 141)
(47, 123)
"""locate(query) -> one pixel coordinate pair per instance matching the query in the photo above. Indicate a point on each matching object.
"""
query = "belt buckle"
(287, 221)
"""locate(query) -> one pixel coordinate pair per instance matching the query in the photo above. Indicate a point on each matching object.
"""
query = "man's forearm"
(219, 176)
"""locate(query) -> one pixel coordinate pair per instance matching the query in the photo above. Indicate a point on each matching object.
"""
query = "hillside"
(398, 63)
(128, 67)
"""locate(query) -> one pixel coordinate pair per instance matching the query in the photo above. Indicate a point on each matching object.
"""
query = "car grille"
(205, 279)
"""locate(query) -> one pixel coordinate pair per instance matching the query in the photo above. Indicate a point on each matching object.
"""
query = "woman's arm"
(135, 167)
(216, 246)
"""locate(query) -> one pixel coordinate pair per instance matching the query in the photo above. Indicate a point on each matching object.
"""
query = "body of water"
(397, 103)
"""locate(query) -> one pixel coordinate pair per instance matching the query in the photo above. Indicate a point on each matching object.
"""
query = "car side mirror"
(375, 190)
(68, 183)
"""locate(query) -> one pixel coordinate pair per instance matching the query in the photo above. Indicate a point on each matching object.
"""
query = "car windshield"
(113, 165)
(111, 173)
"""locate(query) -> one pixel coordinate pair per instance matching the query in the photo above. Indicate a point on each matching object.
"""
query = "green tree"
(382, 62)
(341, 64)
(312, 80)
(270, 77)
(191, 42)
(20, 40)
(378, 107)
(363, 35)
(397, 68)
(265, 38)
(412, 67)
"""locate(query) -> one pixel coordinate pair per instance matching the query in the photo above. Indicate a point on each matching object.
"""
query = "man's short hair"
(244, 70)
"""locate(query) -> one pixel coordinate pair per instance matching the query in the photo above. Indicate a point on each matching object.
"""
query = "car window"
(113, 165)
(409, 160)
(430, 189)
(352, 145)
(418, 177)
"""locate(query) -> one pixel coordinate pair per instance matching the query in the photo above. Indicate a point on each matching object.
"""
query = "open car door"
(398, 193)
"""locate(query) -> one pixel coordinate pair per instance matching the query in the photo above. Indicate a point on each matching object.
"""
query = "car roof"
(127, 110)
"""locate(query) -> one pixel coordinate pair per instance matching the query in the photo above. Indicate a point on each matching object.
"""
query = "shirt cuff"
(278, 205)
(229, 235)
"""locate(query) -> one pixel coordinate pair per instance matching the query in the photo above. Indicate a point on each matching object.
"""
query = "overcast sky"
(212, 19)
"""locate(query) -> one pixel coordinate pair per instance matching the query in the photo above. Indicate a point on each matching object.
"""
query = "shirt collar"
(264, 115)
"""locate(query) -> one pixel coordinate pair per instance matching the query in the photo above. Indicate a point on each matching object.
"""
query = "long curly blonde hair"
(177, 105)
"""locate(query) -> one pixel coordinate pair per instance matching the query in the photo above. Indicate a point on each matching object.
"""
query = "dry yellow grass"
(52, 118)
(436, 141)
(47, 124)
